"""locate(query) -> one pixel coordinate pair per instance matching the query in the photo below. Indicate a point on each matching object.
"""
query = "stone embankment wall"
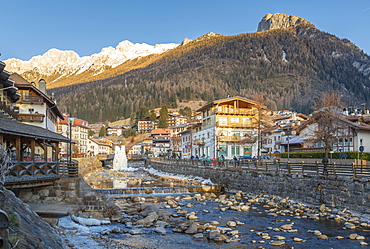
(338, 193)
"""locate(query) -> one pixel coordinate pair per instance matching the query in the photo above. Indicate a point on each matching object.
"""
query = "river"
(224, 220)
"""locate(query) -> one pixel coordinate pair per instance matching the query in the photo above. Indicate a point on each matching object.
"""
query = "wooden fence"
(38, 171)
(333, 169)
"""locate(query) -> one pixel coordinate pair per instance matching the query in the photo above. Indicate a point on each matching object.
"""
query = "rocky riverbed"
(232, 220)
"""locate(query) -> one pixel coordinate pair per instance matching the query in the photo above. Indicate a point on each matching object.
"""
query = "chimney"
(42, 85)
(294, 116)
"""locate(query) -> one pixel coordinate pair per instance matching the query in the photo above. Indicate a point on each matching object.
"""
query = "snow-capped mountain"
(65, 63)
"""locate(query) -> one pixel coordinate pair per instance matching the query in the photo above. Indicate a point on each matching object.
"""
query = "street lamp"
(70, 122)
(289, 132)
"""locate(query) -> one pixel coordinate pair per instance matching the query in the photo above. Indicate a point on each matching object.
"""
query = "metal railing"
(333, 170)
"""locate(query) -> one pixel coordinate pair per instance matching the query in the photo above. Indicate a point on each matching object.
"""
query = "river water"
(256, 228)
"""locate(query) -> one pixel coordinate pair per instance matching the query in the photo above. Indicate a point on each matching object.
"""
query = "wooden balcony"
(237, 111)
(27, 117)
(229, 138)
(31, 100)
(237, 139)
(236, 125)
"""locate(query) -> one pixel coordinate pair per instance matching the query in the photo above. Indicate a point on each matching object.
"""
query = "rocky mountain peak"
(279, 21)
(185, 41)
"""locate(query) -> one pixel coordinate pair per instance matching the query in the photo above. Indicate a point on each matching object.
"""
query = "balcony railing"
(229, 138)
(235, 125)
(238, 111)
(199, 141)
(238, 139)
(27, 117)
(31, 100)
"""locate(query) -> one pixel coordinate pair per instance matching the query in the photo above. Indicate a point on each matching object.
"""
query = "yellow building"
(229, 127)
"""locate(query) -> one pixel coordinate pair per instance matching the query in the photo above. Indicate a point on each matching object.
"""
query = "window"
(235, 151)
(234, 120)
(222, 120)
(247, 121)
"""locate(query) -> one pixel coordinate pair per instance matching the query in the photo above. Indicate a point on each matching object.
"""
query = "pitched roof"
(227, 100)
(12, 127)
(21, 83)
(100, 142)
(355, 123)
(160, 131)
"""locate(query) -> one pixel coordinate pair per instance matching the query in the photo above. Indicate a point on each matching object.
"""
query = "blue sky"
(32, 27)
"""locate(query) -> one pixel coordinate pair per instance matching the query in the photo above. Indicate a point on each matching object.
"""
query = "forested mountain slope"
(289, 67)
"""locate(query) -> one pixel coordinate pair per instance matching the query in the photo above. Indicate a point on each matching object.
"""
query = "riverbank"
(234, 220)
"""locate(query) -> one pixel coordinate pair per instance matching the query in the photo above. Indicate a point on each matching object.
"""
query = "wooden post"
(33, 150)
(267, 169)
(18, 149)
(317, 168)
(302, 167)
(354, 170)
(289, 169)
(334, 169)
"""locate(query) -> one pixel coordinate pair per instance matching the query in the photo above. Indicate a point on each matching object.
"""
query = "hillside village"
(230, 127)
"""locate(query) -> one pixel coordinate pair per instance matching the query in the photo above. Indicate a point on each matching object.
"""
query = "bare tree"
(264, 120)
(5, 163)
(326, 116)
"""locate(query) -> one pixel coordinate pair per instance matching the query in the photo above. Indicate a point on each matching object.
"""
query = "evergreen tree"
(102, 131)
(143, 112)
(152, 116)
(163, 117)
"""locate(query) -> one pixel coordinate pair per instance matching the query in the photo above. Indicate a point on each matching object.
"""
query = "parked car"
(245, 158)
(241, 159)
(267, 159)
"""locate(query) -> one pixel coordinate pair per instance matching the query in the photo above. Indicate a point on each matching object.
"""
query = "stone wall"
(63, 191)
(339, 193)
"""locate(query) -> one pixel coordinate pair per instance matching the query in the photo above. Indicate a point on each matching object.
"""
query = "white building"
(96, 147)
(229, 127)
(80, 134)
(35, 107)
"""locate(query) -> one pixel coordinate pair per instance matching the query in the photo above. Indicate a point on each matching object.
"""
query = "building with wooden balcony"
(34, 106)
(229, 127)
(33, 150)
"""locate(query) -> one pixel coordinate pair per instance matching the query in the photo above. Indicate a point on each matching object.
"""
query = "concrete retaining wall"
(339, 193)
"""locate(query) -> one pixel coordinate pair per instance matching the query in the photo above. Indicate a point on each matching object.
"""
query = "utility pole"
(70, 122)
